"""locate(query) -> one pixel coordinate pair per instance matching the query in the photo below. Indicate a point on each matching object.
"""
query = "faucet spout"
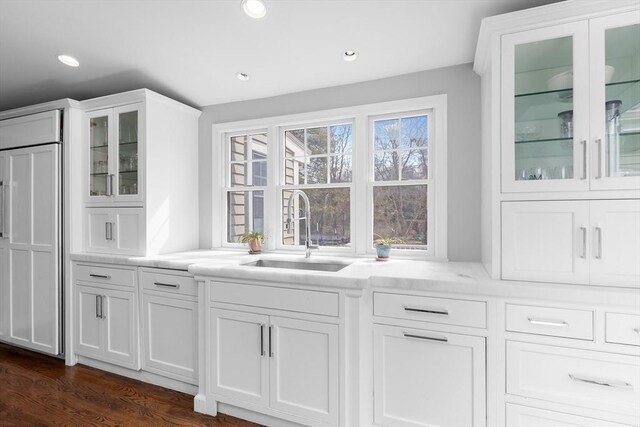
(308, 244)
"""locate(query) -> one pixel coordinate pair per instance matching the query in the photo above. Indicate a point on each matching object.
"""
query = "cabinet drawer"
(523, 416)
(557, 322)
(429, 309)
(312, 302)
(591, 379)
(622, 328)
(173, 283)
(105, 274)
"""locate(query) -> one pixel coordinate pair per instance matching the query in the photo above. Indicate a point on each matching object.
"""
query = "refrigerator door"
(34, 129)
(32, 246)
(4, 271)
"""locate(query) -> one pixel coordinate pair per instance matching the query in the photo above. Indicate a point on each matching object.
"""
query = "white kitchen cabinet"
(118, 230)
(557, 83)
(116, 146)
(140, 149)
(285, 364)
(170, 324)
(523, 416)
(581, 242)
(106, 315)
(427, 378)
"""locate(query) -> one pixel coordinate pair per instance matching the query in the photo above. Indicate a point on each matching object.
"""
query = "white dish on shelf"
(528, 132)
(564, 81)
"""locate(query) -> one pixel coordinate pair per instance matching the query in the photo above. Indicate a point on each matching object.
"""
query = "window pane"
(259, 173)
(238, 148)
(401, 212)
(341, 138)
(386, 134)
(414, 164)
(340, 169)
(386, 166)
(258, 146)
(330, 217)
(294, 143)
(317, 141)
(245, 213)
(317, 170)
(415, 131)
(238, 174)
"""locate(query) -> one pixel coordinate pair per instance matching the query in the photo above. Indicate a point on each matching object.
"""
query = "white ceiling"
(191, 49)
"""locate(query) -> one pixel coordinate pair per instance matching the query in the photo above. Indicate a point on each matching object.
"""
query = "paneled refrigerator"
(30, 232)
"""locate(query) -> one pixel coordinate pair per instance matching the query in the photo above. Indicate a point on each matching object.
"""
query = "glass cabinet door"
(128, 152)
(99, 155)
(616, 102)
(545, 109)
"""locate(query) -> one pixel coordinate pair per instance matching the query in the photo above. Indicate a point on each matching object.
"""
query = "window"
(318, 159)
(401, 185)
(246, 183)
(369, 172)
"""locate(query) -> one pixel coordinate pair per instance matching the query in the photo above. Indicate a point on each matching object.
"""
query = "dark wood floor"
(37, 390)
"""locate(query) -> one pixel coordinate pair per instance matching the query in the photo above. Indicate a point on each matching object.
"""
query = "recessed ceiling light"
(243, 77)
(68, 60)
(254, 8)
(350, 55)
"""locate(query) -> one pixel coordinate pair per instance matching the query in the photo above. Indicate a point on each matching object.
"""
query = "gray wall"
(462, 87)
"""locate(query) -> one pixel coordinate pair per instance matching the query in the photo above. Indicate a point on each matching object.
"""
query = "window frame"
(361, 187)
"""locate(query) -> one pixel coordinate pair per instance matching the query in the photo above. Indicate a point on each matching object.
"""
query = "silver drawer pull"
(426, 310)
(604, 383)
(422, 337)
(167, 285)
(100, 276)
(547, 322)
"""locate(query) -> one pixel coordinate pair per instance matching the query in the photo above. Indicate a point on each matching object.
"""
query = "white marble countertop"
(393, 275)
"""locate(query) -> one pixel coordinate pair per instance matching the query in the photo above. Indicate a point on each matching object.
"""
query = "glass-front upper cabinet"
(571, 106)
(114, 155)
(545, 112)
(615, 105)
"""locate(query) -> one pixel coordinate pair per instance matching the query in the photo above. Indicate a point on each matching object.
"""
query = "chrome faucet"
(308, 244)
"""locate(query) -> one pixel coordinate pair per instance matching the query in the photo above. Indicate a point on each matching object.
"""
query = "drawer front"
(166, 282)
(105, 274)
(622, 328)
(429, 309)
(312, 302)
(524, 416)
(557, 322)
(590, 379)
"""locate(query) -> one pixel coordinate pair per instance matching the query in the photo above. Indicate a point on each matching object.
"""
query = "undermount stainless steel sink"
(331, 266)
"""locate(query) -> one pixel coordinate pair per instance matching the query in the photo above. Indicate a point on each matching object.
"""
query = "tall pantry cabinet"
(561, 143)
(140, 189)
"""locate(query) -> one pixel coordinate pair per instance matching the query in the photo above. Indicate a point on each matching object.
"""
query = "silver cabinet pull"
(109, 179)
(598, 239)
(599, 165)
(547, 322)
(100, 276)
(583, 230)
(262, 339)
(584, 158)
(109, 230)
(270, 344)
(441, 312)
(602, 382)
(102, 298)
(168, 285)
(98, 306)
(2, 210)
(423, 337)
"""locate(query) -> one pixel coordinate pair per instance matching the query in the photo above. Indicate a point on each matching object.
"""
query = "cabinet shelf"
(529, 141)
(101, 147)
(560, 93)
(128, 171)
(98, 174)
(128, 143)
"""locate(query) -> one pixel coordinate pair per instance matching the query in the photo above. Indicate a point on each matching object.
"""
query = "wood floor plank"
(37, 390)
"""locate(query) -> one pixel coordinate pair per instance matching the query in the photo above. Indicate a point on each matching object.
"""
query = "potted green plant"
(383, 247)
(254, 239)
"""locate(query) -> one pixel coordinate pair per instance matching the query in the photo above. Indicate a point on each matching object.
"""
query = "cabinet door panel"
(97, 222)
(239, 355)
(545, 241)
(422, 380)
(171, 337)
(127, 144)
(89, 337)
(121, 334)
(98, 134)
(523, 416)
(129, 231)
(616, 243)
(304, 369)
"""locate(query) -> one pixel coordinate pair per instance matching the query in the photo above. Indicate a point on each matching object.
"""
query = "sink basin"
(331, 266)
